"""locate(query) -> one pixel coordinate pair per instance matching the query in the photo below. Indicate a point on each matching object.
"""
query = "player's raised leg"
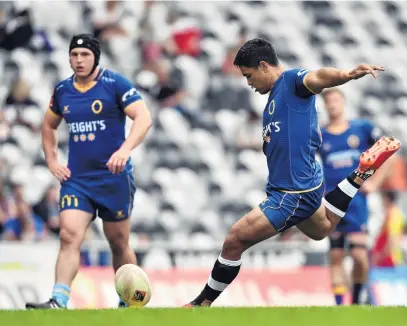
(73, 225)
(336, 257)
(359, 253)
(248, 231)
(336, 202)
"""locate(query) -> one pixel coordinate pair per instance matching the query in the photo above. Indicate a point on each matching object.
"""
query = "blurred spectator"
(166, 85)
(248, 134)
(4, 206)
(231, 83)
(22, 224)
(7, 210)
(387, 251)
(17, 104)
(16, 28)
(171, 93)
(228, 67)
(228, 92)
(183, 55)
(4, 129)
(47, 209)
(153, 60)
(19, 94)
(396, 180)
(185, 35)
(107, 20)
(116, 28)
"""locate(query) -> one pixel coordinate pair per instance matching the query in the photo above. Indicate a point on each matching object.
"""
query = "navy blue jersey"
(340, 153)
(291, 134)
(96, 119)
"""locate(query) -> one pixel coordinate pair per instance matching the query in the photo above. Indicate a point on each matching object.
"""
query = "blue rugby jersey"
(340, 153)
(96, 119)
(291, 134)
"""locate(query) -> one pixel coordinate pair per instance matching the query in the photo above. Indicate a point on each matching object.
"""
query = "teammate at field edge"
(343, 141)
(98, 180)
(291, 139)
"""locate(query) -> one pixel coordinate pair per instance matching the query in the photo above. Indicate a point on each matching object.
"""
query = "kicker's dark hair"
(253, 52)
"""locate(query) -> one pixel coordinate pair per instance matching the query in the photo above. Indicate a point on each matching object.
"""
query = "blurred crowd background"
(201, 167)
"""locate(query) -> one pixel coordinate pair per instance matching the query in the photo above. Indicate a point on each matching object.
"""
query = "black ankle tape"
(338, 199)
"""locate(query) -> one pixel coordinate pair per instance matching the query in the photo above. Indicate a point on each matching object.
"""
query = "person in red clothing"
(387, 251)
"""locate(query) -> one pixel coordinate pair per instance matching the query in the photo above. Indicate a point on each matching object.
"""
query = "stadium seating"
(192, 176)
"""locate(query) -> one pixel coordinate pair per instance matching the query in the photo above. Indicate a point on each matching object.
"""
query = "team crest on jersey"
(353, 141)
(97, 106)
(271, 107)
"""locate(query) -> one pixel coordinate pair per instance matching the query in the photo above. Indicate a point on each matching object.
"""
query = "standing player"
(98, 179)
(291, 139)
(343, 143)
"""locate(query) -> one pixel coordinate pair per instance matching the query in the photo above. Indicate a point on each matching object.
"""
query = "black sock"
(338, 200)
(223, 273)
(357, 289)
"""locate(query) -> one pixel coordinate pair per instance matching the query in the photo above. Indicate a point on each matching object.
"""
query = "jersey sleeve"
(298, 97)
(373, 132)
(126, 93)
(53, 104)
(301, 87)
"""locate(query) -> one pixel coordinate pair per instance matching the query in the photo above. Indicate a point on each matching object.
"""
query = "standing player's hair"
(332, 91)
(253, 52)
(89, 42)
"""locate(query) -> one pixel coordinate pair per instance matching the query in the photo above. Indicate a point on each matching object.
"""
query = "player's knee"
(360, 257)
(336, 258)
(233, 244)
(70, 238)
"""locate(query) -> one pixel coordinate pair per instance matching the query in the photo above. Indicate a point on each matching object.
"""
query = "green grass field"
(346, 316)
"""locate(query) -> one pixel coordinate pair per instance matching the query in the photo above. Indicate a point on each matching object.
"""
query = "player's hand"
(118, 160)
(365, 69)
(61, 172)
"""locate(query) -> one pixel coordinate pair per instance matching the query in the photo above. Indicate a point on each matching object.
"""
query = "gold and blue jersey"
(340, 155)
(95, 115)
(291, 135)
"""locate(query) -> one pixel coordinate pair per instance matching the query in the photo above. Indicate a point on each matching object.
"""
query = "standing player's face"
(81, 60)
(257, 78)
(334, 104)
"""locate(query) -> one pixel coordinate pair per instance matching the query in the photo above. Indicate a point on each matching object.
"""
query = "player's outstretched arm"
(50, 145)
(141, 116)
(322, 78)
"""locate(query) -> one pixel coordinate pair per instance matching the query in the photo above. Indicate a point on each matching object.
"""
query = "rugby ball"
(133, 285)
